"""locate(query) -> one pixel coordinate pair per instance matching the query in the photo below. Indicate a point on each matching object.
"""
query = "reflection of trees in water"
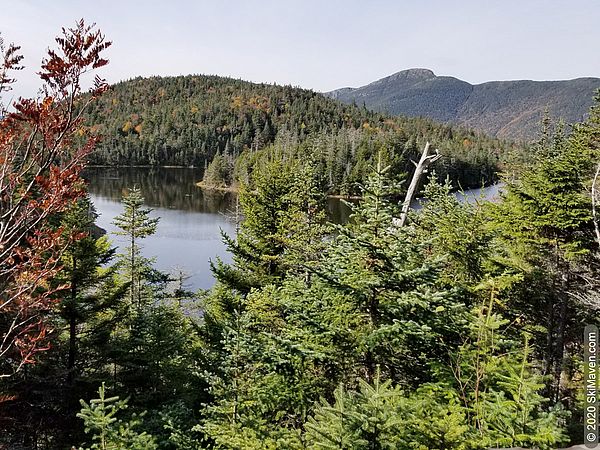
(175, 188)
(172, 188)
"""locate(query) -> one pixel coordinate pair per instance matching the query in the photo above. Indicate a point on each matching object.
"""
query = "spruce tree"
(136, 224)
(283, 216)
(370, 418)
(82, 269)
(501, 390)
(455, 231)
(544, 224)
(380, 269)
(109, 431)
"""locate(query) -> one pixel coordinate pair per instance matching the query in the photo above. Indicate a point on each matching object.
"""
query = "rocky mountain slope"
(505, 109)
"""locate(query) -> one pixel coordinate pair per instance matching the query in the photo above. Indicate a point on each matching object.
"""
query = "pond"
(191, 219)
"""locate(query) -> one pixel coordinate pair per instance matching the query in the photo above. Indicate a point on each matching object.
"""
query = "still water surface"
(191, 220)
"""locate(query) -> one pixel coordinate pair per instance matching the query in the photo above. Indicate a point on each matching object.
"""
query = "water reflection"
(191, 220)
(189, 232)
(172, 188)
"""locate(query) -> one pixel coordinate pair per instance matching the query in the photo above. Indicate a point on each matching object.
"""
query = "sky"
(320, 45)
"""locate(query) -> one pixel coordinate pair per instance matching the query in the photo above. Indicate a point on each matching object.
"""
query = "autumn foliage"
(43, 148)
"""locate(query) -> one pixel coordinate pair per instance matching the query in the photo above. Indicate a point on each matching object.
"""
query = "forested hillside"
(188, 120)
(506, 109)
(461, 329)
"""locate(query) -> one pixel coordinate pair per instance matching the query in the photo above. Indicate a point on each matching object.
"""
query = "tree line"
(195, 120)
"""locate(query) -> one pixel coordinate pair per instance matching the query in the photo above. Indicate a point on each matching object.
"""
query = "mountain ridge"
(510, 109)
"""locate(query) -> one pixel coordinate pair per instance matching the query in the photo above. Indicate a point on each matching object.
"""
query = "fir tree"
(379, 268)
(545, 230)
(368, 419)
(109, 432)
(136, 224)
(82, 269)
(282, 213)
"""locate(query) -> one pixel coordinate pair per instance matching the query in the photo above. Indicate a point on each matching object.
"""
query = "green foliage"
(282, 227)
(456, 231)
(379, 416)
(545, 234)
(548, 209)
(254, 386)
(436, 419)
(135, 221)
(367, 419)
(459, 330)
(282, 346)
(193, 120)
(219, 173)
(150, 351)
(82, 270)
(501, 389)
(108, 431)
(136, 224)
(391, 288)
(491, 399)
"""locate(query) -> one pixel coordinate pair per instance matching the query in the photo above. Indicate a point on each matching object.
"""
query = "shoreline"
(137, 166)
(236, 190)
(230, 189)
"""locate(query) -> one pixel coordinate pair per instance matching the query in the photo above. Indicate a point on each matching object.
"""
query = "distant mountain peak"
(506, 109)
(414, 73)
(407, 76)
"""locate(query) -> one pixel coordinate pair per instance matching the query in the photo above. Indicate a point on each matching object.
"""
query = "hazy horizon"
(321, 46)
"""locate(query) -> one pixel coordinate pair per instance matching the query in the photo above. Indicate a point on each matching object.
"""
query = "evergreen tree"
(82, 270)
(545, 232)
(381, 416)
(280, 209)
(108, 431)
(456, 231)
(136, 224)
(393, 291)
(154, 349)
(282, 346)
(368, 419)
(219, 173)
(500, 388)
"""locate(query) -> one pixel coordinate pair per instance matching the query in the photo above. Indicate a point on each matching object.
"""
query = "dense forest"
(190, 120)
(459, 329)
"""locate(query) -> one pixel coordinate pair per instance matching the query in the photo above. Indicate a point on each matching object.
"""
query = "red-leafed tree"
(43, 148)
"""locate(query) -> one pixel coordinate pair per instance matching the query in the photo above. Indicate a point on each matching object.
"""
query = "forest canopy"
(193, 120)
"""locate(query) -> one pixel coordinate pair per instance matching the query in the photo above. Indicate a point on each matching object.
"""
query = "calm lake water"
(191, 220)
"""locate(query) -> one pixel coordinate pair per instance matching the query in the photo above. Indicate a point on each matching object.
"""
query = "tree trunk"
(72, 328)
(72, 348)
(559, 348)
(420, 169)
(594, 197)
(549, 357)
